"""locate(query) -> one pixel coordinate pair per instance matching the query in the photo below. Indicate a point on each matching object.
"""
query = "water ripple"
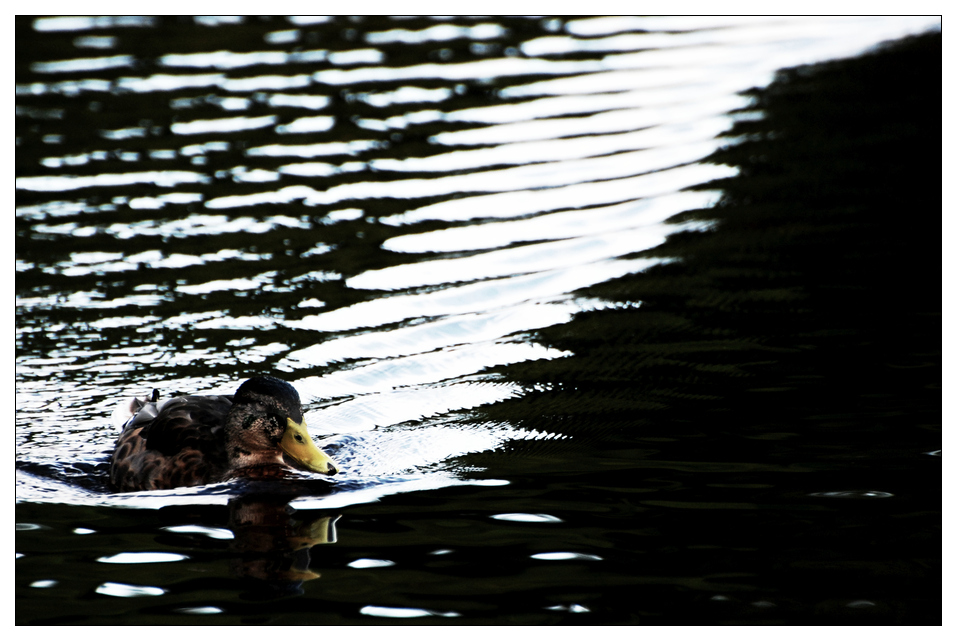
(384, 210)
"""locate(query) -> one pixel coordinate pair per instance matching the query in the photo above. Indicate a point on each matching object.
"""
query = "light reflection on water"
(127, 591)
(459, 205)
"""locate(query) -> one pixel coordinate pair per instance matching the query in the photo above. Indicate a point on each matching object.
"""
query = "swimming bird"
(258, 432)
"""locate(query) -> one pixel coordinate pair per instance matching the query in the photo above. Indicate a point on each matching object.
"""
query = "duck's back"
(173, 443)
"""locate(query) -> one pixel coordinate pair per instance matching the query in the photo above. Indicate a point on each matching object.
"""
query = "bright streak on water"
(143, 557)
(403, 613)
(125, 590)
(527, 518)
(380, 229)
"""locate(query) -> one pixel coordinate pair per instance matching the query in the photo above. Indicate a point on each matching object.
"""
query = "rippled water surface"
(606, 320)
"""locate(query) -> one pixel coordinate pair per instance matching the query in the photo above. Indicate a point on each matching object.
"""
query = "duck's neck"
(246, 460)
(249, 447)
(268, 470)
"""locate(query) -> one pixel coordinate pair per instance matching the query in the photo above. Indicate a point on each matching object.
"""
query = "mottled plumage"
(193, 440)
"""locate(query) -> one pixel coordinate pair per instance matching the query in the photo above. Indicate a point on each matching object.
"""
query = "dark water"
(608, 321)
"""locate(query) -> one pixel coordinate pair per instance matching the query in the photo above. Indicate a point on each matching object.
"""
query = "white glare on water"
(380, 228)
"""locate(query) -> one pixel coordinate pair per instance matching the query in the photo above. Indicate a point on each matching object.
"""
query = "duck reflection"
(273, 542)
(269, 542)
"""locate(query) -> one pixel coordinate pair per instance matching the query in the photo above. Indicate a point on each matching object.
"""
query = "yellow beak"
(298, 446)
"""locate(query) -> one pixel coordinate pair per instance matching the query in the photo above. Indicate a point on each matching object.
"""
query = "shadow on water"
(809, 297)
(751, 428)
(772, 400)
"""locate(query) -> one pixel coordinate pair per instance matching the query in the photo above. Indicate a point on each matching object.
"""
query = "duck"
(183, 441)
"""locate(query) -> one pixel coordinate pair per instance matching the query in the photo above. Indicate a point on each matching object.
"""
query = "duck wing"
(184, 422)
(173, 443)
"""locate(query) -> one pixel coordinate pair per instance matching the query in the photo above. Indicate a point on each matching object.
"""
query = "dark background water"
(737, 422)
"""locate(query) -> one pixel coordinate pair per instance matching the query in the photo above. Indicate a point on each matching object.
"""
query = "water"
(605, 322)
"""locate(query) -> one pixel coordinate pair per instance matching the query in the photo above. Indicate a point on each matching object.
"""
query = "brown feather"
(182, 441)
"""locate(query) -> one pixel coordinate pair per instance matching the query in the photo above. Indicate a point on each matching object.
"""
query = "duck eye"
(298, 438)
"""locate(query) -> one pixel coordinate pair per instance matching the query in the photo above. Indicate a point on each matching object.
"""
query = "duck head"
(265, 426)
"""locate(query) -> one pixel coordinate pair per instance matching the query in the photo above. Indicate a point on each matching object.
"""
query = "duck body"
(259, 432)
